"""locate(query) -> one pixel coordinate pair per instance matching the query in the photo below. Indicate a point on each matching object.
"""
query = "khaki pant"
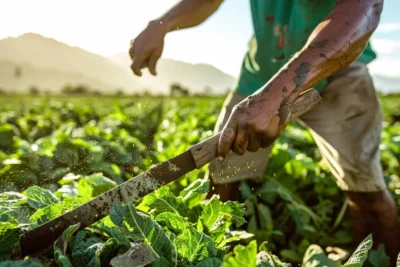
(346, 127)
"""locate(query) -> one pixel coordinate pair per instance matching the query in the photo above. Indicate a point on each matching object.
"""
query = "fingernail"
(220, 158)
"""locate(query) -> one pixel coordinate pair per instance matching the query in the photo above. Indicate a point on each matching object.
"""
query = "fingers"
(226, 140)
(242, 139)
(138, 62)
(153, 61)
(254, 141)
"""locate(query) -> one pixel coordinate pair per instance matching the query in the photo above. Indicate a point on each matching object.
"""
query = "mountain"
(49, 80)
(196, 77)
(47, 63)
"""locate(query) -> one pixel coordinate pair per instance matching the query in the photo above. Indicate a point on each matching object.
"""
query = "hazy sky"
(106, 27)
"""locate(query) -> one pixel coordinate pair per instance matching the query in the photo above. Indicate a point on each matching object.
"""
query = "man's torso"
(281, 28)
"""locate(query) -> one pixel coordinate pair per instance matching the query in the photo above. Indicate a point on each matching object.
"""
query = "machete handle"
(206, 151)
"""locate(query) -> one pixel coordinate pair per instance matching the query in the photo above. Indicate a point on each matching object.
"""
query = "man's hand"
(147, 47)
(254, 123)
(336, 42)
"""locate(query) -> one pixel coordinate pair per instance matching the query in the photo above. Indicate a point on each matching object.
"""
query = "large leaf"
(39, 198)
(144, 229)
(161, 200)
(195, 246)
(242, 256)
(218, 217)
(228, 211)
(173, 221)
(361, 253)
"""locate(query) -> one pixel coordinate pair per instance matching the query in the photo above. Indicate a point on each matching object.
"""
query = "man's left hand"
(254, 123)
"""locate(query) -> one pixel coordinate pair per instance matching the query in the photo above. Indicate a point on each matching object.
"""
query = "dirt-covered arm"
(336, 42)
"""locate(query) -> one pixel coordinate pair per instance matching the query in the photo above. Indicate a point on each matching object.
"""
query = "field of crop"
(57, 153)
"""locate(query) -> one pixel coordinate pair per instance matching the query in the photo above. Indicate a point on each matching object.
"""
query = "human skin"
(258, 120)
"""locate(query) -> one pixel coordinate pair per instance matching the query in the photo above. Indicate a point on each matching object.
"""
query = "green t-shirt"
(281, 28)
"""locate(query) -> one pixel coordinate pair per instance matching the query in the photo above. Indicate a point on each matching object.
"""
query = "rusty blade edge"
(99, 207)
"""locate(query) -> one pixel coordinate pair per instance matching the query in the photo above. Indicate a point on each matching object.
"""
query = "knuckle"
(236, 108)
(225, 137)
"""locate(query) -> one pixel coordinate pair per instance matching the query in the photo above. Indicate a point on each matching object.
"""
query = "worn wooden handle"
(206, 151)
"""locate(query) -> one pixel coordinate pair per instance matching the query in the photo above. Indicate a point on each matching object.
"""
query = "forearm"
(189, 13)
(334, 44)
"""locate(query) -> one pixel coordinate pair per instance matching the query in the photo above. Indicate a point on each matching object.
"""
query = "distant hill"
(49, 80)
(48, 63)
(196, 77)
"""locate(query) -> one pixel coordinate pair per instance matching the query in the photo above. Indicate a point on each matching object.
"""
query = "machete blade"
(99, 207)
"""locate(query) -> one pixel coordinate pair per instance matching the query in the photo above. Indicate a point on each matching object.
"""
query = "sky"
(105, 27)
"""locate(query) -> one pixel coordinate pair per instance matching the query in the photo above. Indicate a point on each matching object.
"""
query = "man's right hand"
(147, 47)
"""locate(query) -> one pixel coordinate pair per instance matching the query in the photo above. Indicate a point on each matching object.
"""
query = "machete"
(159, 175)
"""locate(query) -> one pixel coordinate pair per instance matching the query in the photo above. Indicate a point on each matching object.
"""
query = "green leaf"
(95, 185)
(315, 256)
(195, 246)
(218, 217)
(47, 213)
(228, 211)
(108, 251)
(140, 254)
(84, 247)
(379, 258)
(161, 200)
(38, 197)
(242, 256)
(267, 259)
(193, 194)
(264, 214)
(235, 236)
(9, 237)
(61, 244)
(146, 230)
(361, 253)
(212, 262)
(173, 221)
(115, 233)
(12, 199)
